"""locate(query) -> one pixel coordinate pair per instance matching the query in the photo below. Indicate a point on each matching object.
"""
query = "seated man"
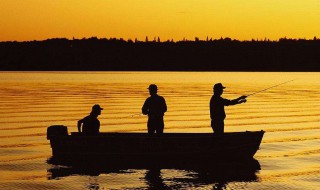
(91, 124)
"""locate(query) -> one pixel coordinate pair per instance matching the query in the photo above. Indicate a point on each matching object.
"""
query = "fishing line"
(270, 87)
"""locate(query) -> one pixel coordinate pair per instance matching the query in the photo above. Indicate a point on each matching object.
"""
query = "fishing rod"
(270, 87)
(140, 114)
(131, 116)
(137, 114)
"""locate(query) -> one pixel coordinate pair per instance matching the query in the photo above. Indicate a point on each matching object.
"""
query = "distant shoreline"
(285, 55)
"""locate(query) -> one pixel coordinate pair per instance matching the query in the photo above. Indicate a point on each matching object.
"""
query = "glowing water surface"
(32, 101)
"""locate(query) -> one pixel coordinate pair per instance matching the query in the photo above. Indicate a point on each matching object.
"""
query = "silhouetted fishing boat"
(168, 146)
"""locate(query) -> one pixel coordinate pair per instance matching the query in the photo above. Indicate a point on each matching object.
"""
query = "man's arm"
(98, 126)
(164, 105)
(241, 99)
(145, 108)
(211, 108)
(79, 125)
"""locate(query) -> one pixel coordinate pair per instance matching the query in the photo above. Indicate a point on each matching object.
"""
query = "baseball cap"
(218, 86)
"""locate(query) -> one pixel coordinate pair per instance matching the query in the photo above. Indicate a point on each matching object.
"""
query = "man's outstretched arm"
(241, 99)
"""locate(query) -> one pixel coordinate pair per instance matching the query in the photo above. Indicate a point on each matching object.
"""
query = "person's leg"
(212, 125)
(160, 125)
(151, 126)
(218, 126)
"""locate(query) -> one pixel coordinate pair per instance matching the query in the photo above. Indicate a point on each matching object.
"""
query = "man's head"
(153, 89)
(96, 109)
(218, 89)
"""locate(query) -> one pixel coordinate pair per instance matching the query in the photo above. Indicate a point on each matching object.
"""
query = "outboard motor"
(57, 130)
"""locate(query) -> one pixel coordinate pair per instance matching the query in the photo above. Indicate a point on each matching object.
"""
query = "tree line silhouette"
(113, 54)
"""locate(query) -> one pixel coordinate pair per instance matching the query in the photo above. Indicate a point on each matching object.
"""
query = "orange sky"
(41, 19)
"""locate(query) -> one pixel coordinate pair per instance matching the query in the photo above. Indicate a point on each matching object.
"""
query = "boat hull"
(168, 146)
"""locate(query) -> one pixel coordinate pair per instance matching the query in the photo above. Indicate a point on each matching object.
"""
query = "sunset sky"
(23, 20)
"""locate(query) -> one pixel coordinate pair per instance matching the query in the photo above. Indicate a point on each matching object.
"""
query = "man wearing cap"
(91, 124)
(155, 106)
(217, 104)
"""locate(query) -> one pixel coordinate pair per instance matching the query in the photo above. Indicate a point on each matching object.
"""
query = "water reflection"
(154, 179)
(93, 184)
(161, 175)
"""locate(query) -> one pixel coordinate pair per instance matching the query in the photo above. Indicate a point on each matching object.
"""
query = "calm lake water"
(289, 155)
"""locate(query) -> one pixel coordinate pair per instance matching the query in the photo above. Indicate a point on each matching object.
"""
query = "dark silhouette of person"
(155, 106)
(154, 179)
(217, 104)
(91, 124)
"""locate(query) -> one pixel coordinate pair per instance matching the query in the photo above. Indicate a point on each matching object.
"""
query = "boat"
(143, 146)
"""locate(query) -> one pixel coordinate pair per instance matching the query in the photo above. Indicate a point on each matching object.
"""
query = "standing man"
(155, 106)
(91, 124)
(217, 104)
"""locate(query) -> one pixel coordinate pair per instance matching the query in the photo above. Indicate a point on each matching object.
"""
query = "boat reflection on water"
(199, 173)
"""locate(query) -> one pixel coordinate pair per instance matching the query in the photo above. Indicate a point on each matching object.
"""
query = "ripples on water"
(30, 102)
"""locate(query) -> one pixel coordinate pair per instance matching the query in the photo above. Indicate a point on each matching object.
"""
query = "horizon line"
(158, 40)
